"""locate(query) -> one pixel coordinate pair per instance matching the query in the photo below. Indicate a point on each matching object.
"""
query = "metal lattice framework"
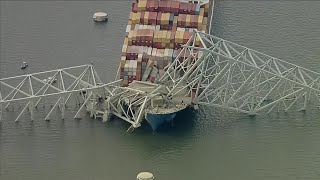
(217, 73)
(224, 74)
(80, 81)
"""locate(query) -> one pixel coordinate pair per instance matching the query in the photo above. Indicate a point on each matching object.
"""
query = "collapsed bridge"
(217, 73)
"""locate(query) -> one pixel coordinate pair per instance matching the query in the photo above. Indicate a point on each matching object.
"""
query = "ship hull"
(157, 120)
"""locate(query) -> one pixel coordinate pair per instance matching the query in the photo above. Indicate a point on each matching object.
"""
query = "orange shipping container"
(137, 19)
(200, 19)
(155, 36)
(172, 36)
(175, 20)
(125, 42)
(130, 36)
(204, 28)
(201, 11)
(168, 37)
(146, 17)
(163, 45)
(134, 35)
(130, 16)
(163, 36)
(142, 5)
(141, 18)
(205, 21)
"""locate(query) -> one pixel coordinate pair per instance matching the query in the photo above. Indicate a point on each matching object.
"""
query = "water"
(210, 144)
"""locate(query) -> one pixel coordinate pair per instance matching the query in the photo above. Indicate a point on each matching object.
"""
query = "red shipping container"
(174, 28)
(177, 46)
(149, 5)
(156, 5)
(175, 6)
(152, 5)
(194, 21)
(186, 36)
(159, 18)
(142, 17)
(206, 14)
(157, 45)
(180, 20)
(173, 33)
(152, 19)
(164, 27)
(168, 7)
(183, 8)
(162, 6)
(135, 7)
(141, 34)
(193, 9)
(184, 19)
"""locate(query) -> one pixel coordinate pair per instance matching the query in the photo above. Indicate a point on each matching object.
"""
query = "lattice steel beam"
(224, 74)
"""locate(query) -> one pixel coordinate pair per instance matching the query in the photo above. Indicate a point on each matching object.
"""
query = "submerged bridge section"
(217, 73)
(224, 74)
(79, 82)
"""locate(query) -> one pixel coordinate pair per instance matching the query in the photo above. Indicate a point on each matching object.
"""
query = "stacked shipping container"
(156, 30)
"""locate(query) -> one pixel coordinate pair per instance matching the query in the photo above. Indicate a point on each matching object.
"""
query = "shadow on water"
(101, 25)
(183, 124)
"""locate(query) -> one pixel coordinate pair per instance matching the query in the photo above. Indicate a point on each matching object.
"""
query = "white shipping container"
(166, 52)
(153, 27)
(128, 28)
(136, 27)
(149, 51)
(154, 51)
(124, 48)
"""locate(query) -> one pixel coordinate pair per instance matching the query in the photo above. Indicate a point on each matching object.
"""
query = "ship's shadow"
(183, 122)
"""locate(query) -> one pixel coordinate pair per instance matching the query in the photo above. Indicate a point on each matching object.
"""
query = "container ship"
(156, 31)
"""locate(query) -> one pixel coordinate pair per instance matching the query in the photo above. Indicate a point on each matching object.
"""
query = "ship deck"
(177, 103)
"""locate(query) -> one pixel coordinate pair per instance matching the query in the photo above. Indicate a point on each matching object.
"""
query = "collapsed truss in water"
(232, 76)
(218, 73)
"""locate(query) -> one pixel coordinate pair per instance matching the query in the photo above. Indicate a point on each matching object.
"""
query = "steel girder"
(224, 74)
(80, 81)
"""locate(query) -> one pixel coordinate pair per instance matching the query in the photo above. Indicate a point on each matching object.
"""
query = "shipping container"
(156, 30)
(142, 5)
(152, 5)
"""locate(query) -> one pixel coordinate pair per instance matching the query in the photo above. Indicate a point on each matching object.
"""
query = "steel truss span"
(217, 73)
(78, 83)
(224, 74)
